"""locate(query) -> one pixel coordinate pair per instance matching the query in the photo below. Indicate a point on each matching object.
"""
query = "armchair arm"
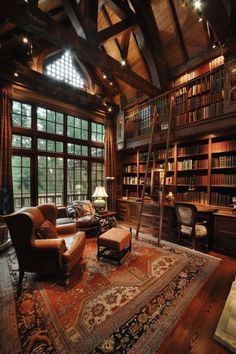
(58, 245)
(66, 229)
(52, 248)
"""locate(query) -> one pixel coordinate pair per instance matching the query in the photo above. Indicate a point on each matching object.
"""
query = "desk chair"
(188, 226)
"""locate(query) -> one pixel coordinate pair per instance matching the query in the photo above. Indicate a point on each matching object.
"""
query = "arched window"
(65, 68)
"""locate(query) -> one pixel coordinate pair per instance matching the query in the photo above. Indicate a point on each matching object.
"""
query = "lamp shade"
(100, 192)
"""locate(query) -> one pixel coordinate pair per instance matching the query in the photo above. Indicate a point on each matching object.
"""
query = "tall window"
(77, 179)
(97, 174)
(64, 69)
(54, 167)
(21, 181)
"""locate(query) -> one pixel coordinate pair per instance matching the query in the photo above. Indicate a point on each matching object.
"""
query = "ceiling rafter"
(178, 30)
(120, 27)
(75, 17)
(73, 11)
(121, 9)
(125, 44)
(39, 23)
(108, 21)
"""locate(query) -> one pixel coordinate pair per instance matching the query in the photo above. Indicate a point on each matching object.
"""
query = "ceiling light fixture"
(111, 83)
(25, 40)
(104, 76)
(16, 74)
(123, 62)
(109, 109)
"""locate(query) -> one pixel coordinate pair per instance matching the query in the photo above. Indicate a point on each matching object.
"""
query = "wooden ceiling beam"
(120, 8)
(72, 10)
(46, 85)
(114, 30)
(39, 23)
(178, 31)
(125, 44)
(158, 66)
(216, 14)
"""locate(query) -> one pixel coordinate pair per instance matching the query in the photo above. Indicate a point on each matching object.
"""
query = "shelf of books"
(223, 170)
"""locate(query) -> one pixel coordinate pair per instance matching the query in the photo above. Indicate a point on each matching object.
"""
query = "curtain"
(6, 184)
(110, 168)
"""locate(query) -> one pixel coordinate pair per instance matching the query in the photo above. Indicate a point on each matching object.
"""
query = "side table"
(107, 220)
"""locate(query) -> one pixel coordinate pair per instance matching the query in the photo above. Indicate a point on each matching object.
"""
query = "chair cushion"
(200, 230)
(76, 211)
(87, 221)
(46, 230)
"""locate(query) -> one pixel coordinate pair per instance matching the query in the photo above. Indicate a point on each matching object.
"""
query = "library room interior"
(118, 176)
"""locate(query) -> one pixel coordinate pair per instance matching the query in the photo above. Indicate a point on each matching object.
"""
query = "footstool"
(114, 244)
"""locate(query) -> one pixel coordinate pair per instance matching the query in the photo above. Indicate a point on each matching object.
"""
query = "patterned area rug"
(106, 308)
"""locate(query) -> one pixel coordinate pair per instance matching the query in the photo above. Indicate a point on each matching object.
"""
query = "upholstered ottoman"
(114, 244)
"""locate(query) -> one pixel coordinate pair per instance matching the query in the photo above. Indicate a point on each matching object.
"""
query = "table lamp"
(99, 195)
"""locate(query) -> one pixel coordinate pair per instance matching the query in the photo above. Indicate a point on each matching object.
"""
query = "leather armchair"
(51, 255)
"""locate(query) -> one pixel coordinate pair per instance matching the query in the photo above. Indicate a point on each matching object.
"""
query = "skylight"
(63, 69)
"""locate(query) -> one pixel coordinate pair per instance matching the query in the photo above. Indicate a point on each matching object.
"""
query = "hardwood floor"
(194, 332)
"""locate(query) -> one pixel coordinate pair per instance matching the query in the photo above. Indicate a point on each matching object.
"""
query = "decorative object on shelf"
(170, 198)
(99, 203)
(234, 204)
(192, 184)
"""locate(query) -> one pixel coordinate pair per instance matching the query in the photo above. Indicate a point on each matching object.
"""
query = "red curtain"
(110, 168)
(6, 184)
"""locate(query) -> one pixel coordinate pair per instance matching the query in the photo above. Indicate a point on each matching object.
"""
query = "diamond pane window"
(63, 69)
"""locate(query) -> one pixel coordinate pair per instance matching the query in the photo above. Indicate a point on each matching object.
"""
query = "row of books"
(134, 180)
(199, 114)
(224, 161)
(190, 164)
(194, 149)
(212, 65)
(222, 146)
(161, 154)
(220, 199)
(198, 180)
(192, 197)
(221, 179)
(131, 169)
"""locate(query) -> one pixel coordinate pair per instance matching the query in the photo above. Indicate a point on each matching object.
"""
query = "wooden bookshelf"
(208, 166)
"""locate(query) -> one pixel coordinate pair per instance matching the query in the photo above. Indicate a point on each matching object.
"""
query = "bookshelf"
(223, 170)
(202, 172)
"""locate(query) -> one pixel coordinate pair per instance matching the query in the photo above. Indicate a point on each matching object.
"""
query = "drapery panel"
(110, 167)
(6, 184)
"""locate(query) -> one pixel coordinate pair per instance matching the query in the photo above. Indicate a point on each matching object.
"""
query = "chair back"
(23, 223)
(186, 214)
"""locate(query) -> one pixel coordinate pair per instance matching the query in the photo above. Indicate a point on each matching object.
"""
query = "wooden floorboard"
(194, 332)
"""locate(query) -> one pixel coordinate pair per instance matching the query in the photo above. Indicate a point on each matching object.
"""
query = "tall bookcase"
(202, 172)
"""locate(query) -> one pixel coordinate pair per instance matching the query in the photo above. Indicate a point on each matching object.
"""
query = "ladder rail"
(165, 171)
(146, 171)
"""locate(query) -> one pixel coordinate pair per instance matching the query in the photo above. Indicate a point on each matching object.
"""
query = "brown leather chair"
(39, 250)
(188, 225)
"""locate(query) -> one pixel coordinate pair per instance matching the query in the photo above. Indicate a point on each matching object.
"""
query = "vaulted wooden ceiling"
(158, 40)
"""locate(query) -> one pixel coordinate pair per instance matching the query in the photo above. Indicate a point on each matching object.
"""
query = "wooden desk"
(225, 232)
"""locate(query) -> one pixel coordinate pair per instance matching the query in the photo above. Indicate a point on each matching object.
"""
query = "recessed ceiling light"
(16, 74)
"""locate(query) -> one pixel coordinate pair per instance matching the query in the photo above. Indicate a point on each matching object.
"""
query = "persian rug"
(107, 308)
